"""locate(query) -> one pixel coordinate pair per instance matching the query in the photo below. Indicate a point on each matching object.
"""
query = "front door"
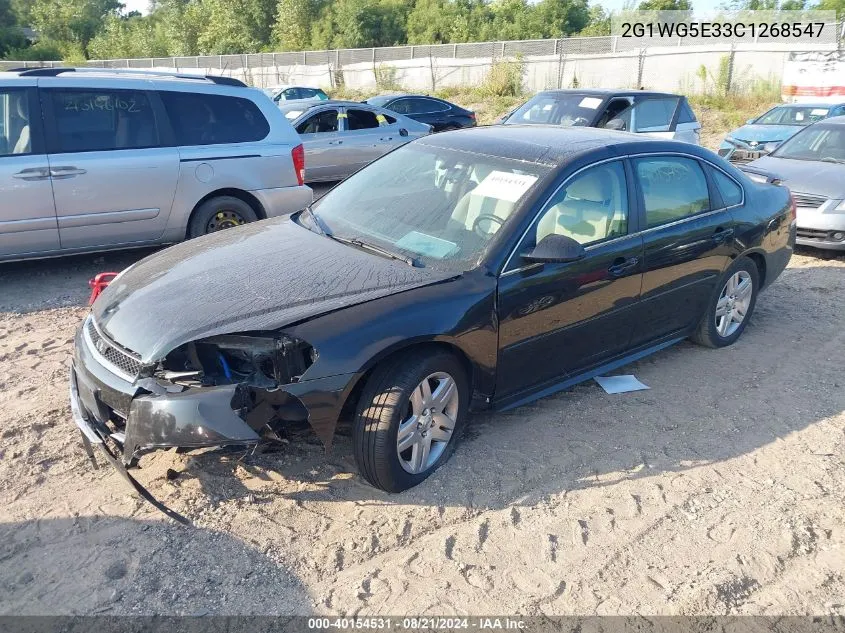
(688, 240)
(27, 214)
(557, 319)
(113, 181)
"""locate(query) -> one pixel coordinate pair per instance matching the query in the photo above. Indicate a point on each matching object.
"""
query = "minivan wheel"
(410, 412)
(731, 306)
(216, 214)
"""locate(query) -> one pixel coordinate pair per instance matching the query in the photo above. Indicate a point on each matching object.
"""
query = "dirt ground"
(719, 491)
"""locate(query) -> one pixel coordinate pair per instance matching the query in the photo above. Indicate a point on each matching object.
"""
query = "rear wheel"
(222, 212)
(409, 413)
(731, 306)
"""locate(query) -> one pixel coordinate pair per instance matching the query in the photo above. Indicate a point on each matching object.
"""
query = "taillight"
(793, 212)
(298, 156)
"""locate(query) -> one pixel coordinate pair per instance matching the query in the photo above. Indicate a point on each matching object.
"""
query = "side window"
(591, 208)
(210, 119)
(15, 131)
(361, 119)
(101, 120)
(730, 192)
(686, 115)
(430, 105)
(650, 115)
(385, 119)
(673, 188)
(402, 106)
(325, 121)
(291, 94)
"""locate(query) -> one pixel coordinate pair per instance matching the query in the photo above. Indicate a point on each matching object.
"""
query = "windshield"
(380, 101)
(566, 110)
(793, 115)
(820, 142)
(440, 207)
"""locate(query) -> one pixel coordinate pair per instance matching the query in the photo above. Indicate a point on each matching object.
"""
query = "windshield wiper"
(374, 248)
(831, 159)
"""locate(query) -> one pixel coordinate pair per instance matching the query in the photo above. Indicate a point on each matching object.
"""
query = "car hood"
(805, 176)
(261, 276)
(764, 133)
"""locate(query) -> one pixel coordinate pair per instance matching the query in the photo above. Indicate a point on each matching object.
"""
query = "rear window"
(207, 119)
(730, 192)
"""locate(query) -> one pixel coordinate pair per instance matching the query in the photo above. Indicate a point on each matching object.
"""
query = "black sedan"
(441, 115)
(464, 271)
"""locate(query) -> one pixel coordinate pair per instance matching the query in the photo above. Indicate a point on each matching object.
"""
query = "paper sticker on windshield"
(427, 245)
(504, 185)
(818, 112)
(590, 102)
(292, 114)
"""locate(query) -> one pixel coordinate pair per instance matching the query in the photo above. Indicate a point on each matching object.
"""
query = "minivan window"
(210, 119)
(14, 122)
(673, 188)
(102, 120)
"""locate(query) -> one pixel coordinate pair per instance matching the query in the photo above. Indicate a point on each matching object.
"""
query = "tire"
(391, 397)
(709, 333)
(234, 211)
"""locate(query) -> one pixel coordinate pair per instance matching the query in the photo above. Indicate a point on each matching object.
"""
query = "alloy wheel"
(733, 303)
(428, 424)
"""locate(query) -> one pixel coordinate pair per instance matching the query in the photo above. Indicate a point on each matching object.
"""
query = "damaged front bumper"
(127, 419)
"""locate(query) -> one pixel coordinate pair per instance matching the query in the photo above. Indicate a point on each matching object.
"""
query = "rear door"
(688, 242)
(325, 155)
(27, 213)
(113, 177)
(369, 133)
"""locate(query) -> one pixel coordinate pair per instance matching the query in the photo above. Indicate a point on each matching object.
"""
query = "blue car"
(760, 136)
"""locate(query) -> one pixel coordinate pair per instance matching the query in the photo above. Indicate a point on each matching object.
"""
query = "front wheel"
(409, 414)
(731, 307)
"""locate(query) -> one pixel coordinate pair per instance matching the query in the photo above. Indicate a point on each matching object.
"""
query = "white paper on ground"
(620, 384)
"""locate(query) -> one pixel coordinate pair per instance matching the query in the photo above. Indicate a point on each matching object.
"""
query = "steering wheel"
(476, 226)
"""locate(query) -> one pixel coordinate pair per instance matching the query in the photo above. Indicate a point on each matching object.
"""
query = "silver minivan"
(94, 159)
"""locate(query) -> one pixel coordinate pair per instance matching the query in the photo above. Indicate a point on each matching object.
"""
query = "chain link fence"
(684, 65)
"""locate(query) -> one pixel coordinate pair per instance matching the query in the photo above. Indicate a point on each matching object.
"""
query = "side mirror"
(615, 124)
(555, 248)
(403, 132)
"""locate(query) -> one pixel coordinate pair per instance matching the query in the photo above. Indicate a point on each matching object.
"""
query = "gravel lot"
(719, 491)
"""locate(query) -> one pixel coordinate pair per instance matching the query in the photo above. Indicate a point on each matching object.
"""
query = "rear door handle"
(33, 173)
(622, 265)
(385, 139)
(722, 235)
(335, 142)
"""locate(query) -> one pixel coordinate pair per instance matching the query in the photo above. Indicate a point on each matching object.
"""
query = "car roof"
(122, 74)
(548, 144)
(607, 92)
(301, 104)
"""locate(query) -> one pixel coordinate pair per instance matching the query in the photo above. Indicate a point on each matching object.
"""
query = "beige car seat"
(590, 210)
(472, 205)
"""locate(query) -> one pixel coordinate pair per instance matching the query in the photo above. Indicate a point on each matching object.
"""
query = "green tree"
(236, 26)
(665, 5)
(71, 24)
(598, 22)
(130, 36)
(292, 31)
(11, 35)
(361, 24)
(559, 18)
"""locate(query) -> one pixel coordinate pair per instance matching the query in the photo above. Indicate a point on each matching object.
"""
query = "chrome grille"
(122, 361)
(808, 200)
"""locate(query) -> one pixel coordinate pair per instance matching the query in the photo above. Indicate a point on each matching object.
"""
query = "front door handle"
(33, 173)
(722, 235)
(622, 266)
(335, 142)
(389, 138)
(62, 173)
